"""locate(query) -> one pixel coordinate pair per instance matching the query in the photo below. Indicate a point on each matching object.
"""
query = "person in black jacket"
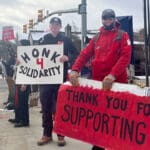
(48, 93)
(21, 101)
(9, 77)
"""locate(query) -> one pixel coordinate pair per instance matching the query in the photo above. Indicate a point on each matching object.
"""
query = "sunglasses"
(108, 18)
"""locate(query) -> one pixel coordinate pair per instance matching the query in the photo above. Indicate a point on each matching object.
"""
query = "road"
(26, 138)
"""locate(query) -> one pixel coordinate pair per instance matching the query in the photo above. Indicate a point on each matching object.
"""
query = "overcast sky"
(18, 12)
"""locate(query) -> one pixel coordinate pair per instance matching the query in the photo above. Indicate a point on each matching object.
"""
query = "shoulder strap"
(119, 35)
(96, 37)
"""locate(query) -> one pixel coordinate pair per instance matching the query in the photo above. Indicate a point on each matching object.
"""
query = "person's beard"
(109, 27)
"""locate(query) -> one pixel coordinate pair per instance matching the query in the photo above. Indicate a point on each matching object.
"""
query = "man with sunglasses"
(111, 52)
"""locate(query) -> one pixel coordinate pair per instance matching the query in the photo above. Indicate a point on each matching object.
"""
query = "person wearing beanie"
(111, 52)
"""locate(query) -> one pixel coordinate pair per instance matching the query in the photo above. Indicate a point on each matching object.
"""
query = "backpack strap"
(119, 38)
(119, 35)
(96, 37)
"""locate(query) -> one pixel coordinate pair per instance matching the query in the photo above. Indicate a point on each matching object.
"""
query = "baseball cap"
(55, 20)
(108, 13)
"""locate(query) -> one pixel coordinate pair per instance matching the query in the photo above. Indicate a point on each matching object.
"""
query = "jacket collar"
(102, 30)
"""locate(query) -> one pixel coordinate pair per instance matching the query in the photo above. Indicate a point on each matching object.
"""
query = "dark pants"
(97, 148)
(22, 107)
(48, 97)
(11, 91)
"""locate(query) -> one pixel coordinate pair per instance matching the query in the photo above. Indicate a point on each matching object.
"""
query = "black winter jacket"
(69, 48)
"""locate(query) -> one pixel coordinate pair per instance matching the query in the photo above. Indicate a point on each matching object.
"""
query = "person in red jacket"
(111, 52)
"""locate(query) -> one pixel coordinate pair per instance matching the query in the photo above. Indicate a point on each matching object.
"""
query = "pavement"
(26, 138)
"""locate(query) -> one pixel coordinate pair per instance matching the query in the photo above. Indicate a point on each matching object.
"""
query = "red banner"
(8, 33)
(117, 120)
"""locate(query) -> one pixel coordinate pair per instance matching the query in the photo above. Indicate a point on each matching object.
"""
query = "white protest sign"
(40, 64)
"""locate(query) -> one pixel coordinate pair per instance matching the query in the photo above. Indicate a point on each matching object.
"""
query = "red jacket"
(110, 56)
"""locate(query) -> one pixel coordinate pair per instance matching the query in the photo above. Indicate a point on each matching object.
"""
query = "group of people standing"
(110, 51)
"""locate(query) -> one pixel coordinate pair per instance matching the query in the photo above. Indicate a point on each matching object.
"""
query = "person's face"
(55, 28)
(108, 21)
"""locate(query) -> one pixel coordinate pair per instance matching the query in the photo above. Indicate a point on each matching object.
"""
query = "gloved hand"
(107, 82)
(73, 76)
(140, 84)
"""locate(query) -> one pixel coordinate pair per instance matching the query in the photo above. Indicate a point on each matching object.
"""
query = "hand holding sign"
(17, 61)
(64, 58)
(107, 82)
(23, 88)
(74, 78)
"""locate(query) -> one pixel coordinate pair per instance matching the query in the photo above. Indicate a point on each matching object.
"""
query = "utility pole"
(68, 31)
(82, 11)
(146, 34)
